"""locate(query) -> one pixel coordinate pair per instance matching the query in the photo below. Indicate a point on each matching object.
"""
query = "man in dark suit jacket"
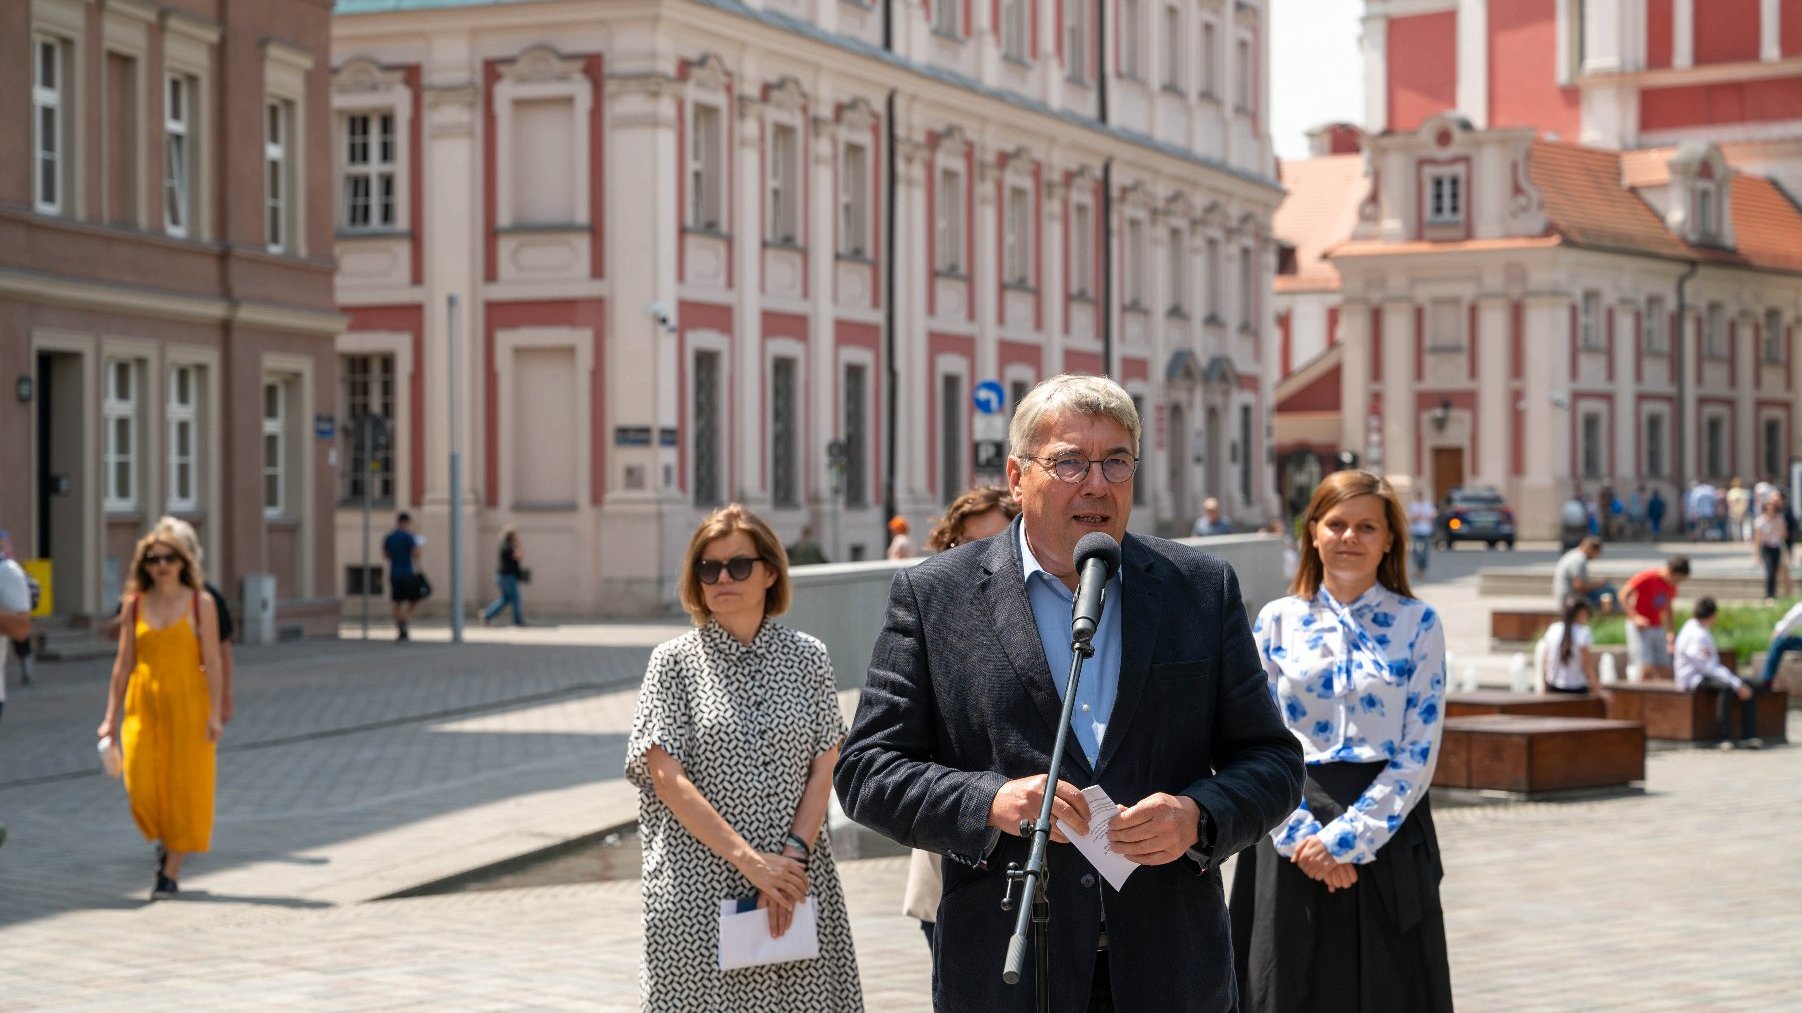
(1174, 720)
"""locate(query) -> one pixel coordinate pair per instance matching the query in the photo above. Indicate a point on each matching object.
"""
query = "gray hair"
(1077, 394)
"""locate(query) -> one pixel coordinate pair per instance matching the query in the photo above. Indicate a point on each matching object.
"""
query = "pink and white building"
(693, 242)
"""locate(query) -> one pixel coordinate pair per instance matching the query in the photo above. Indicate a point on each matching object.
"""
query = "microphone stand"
(1034, 879)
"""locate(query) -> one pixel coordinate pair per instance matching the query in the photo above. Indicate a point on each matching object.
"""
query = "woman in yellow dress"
(167, 683)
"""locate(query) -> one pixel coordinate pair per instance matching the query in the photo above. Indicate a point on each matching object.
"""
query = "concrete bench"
(1520, 626)
(1550, 705)
(1528, 754)
(1789, 675)
(1682, 716)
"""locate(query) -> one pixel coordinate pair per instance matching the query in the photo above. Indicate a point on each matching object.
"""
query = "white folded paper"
(745, 939)
(1095, 847)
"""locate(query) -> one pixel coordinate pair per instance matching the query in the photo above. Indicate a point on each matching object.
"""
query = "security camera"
(661, 313)
(1560, 399)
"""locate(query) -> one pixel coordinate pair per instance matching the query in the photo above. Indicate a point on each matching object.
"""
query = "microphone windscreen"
(1098, 545)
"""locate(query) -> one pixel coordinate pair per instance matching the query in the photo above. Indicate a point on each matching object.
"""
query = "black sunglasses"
(159, 558)
(738, 566)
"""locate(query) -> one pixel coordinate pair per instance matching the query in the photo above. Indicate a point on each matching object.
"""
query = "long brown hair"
(721, 524)
(140, 580)
(948, 531)
(1335, 489)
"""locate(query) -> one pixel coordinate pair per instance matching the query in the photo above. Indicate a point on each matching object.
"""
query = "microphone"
(1097, 557)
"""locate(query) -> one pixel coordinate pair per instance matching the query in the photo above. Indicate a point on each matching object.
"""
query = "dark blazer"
(960, 700)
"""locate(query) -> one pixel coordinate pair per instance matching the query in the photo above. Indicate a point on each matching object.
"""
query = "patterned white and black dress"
(745, 721)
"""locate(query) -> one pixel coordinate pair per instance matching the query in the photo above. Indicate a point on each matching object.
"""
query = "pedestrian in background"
(407, 585)
(1648, 597)
(732, 747)
(1786, 637)
(806, 551)
(15, 583)
(980, 512)
(1421, 516)
(1655, 513)
(900, 545)
(1338, 907)
(1770, 544)
(1739, 510)
(166, 701)
(1698, 666)
(1210, 522)
(176, 528)
(1564, 651)
(508, 575)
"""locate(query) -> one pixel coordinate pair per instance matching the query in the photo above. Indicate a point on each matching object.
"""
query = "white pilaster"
(1354, 376)
(1376, 73)
(1683, 33)
(1473, 61)
(818, 424)
(1770, 24)
(748, 414)
(1602, 37)
(1400, 420)
(1495, 394)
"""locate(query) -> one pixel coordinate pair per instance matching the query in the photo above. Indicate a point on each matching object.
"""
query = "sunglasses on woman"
(161, 559)
(738, 566)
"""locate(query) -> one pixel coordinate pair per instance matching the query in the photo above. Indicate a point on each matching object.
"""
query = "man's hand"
(1159, 829)
(1313, 858)
(1021, 799)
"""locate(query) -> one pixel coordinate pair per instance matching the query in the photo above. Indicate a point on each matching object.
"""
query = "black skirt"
(1377, 947)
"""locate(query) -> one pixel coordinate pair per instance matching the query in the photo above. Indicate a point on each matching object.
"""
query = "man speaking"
(1173, 718)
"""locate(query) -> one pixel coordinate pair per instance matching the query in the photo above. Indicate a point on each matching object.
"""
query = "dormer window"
(1445, 197)
(1707, 210)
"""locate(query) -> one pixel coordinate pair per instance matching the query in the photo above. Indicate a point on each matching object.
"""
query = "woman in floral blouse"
(1338, 909)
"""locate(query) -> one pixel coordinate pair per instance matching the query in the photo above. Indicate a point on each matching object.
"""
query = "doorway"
(1180, 440)
(61, 476)
(1448, 471)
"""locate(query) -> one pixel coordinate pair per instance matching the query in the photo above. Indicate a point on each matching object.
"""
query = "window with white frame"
(1132, 265)
(1656, 340)
(275, 447)
(278, 175)
(1215, 268)
(1082, 249)
(51, 106)
(182, 438)
(368, 172)
(1248, 285)
(948, 245)
(785, 485)
(1177, 267)
(1014, 29)
(367, 394)
(782, 177)
(179, 142)
(1772, 447)
(1715, 341)
(1017, 251)
(1773, 336)
(1592, 446)
(1132, 31)
(119, 410)
(1248, 78)
(1707, 210)
(1445, 321)
(1207, 57)
(706, 167)
(854, 200)
(1589, 322)
(1076, 42)
(1657, 438)
(1172, 33)
(945, 20)
(1445, 197)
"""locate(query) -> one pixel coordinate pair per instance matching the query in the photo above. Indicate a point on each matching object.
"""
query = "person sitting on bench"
(1698, 664)
(1565, 657)
(1786, 636)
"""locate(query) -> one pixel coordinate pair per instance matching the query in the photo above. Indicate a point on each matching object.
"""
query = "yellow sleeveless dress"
(169, 764)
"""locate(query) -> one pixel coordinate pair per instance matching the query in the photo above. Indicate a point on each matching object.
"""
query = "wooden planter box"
(1522, 753)
(1518, 626)
(1679, 715)
(1550, 705)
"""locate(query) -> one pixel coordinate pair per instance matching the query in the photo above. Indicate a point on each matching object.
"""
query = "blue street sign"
(325, 426)
(989, 397)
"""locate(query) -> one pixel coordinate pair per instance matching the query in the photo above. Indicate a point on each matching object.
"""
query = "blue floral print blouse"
(1357, 683)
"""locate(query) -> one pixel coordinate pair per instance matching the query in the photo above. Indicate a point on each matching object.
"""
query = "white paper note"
(1095, 847)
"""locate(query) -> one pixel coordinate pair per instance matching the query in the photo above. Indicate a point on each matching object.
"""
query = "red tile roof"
(1320, 210)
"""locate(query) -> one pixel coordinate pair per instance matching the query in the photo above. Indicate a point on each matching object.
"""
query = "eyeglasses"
(739, 567)
(1072, 469)
(161, 559)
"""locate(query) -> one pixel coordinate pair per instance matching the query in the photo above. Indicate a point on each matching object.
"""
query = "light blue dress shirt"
(1052, 604)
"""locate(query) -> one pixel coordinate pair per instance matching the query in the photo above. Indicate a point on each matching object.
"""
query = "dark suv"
(1474, 514)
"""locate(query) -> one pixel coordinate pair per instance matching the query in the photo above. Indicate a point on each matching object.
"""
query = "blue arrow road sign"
(989, 397)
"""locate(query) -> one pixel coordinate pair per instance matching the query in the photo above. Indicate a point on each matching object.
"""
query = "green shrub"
(1743, 628)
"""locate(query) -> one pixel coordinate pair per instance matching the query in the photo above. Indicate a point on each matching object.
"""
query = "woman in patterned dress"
(1338, 908)
(732, 748)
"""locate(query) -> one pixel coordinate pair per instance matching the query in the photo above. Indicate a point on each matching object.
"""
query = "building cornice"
(32, 287)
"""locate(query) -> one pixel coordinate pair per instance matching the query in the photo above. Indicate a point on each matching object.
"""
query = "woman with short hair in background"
(732, 746)
(166, 702)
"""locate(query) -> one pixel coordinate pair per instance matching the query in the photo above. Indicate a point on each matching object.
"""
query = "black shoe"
(165, 887)
(162, 860)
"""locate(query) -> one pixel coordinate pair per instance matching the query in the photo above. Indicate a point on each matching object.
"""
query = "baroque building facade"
(705, 250)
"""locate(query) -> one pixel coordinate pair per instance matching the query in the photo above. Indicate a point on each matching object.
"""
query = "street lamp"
(1442, 414)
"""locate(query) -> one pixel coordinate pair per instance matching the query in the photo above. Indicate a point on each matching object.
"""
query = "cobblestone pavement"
(354, 771)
